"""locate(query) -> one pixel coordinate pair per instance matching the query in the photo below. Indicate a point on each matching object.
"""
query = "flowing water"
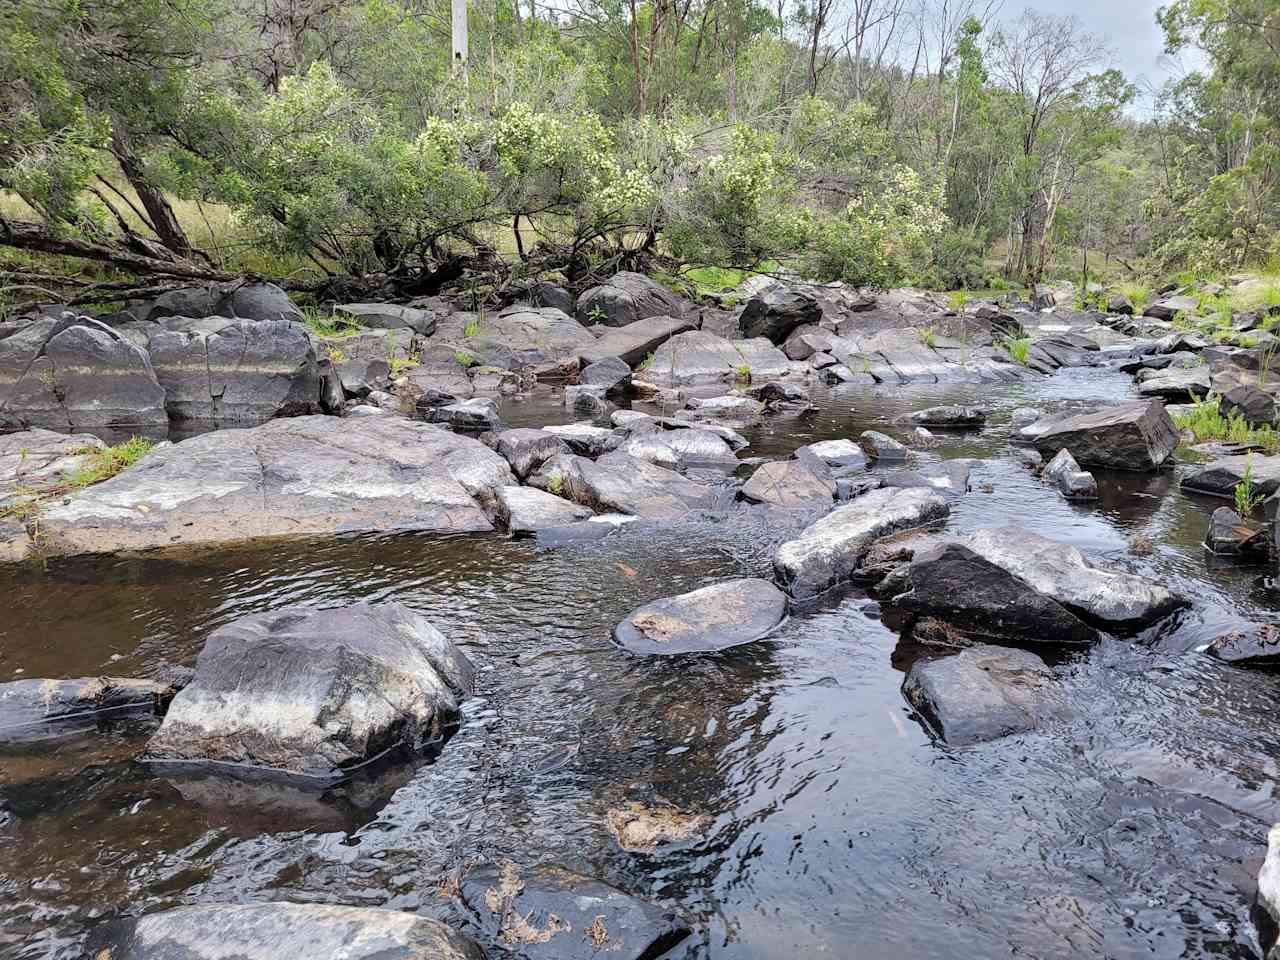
(1131, 827)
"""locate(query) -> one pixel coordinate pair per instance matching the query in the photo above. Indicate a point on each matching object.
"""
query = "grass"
(1206, 422)
(957, 299)
(1139, 294)
(1247, 497)
(928, 337)
(399, 365)
(472, 328)
(645, 364)
(742, 373)
(555, 484)
(464, 358)
(330, 325)
(1265, 293)
(1019, 348)
(100, 464)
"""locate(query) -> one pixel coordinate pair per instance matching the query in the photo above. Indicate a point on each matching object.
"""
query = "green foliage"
(464, 358)
(957, 299)
(1247, 497)
(472, 328)
(105, 463)
(330, 325)
(742, 373)
(1138, 294)
(1019, 348)
(1206, 422)
(645, 364)
(928, 337)
(555, 484)
(399, 365)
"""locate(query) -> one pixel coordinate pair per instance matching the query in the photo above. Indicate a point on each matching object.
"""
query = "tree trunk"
(160, 215)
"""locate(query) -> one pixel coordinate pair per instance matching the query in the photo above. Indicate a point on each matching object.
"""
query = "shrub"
(1019, 348)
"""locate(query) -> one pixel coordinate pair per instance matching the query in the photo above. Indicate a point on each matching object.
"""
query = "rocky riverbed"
(737, 677)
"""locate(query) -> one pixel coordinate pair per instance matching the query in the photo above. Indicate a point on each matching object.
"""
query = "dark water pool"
(1130, 828)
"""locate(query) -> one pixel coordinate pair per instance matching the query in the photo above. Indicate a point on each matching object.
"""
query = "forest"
(338, 146)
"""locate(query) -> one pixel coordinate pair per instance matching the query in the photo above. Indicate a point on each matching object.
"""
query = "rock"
(774, 392)
(1009, 585)
(1250, 644)
(1120, 304)
(297, 477)
(1166, 308)
(273, 931)
(1229, 535)
(712, 618)
(1181, 342)
(1266, 905)
(545, 294)
(626, 298)
(587, 400)
(390, 316)
(636, 342)
(828, 551)
(524, 510)
(553, 914)
(1029, 457)
(700, 358)
(981, 694)
(525, 449)
(723, 408)
(1130, 436)
(516, 338)
(611, 373)
(950, 476)
(778, 311)
(882, 447)
(1025, 416)
(952, 416)
(36, 460)
(806, 342)
(584, 439)
(478, 413)
(235, 370)
(735, 440)
(245, 301)
(315, 693)
(825, 361)
(1072, 482)
(1043, 296)
(652, 449)
(841, 456)
(789, 483)
(1175, 383)
(1253, 405)
(700, 448)
(618, 483)
(640, 829)
(1220, 477)
(41, 709)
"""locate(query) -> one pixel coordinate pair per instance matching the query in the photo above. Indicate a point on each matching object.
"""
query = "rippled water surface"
(1129, 828)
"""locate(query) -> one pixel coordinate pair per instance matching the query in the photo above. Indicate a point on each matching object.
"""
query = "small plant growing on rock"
(742, 373)
(1247, 496)
(464, 358)
(1019, 349)
(645, 364)
(335, 354)
(928, 337)
(957, 299)
(555, 484)
(399, 365)
(105, 463)
(472, 328)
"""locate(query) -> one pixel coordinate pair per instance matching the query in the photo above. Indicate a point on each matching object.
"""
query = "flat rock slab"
(618, 483)
(315, 693)
(950, 416)
(276, 931)
(1130, 436)
(1219, 478)
(391, 316)
(699, 358)
(828, 551)
(40, 709)
(299, 477)
(842, 456)
(1249, 644)
(982, 693)
(712, 618)
(41, 458)
(789, 483)
(1178, 384)
(554, 914)
(525, 510)
(634, 343)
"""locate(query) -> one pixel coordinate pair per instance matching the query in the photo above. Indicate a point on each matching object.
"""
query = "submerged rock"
(1072, 482)
(275, 931)
(828, 551)
(981, 694)
(38, 709)
(553, 914)
(315, 693)
(712, 618)
(640, 829)
(1250, 644)
(951, 416)
(1130, 436)
(296, 477)
(790, 483)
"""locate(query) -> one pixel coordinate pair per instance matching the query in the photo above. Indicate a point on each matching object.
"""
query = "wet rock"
(742, 409)
(584, 439)
(1029, 457)
(525, 449)
(626, 298)
(260, 302)
(1071, 481)
(774, 392)
(523, 510)
(315, 693)
(1220, 477)
(587, 400)
(1255, 406)
(1130, 436)
(825, 361)
(1166, 308)
(636, 342)
(1266, 905)
(1181, 342)
(882, 447)
(841, 456)
(1175, 383)
(235, 370)
(554, 914)
(952, 416)
(1120, 304)
(712, 618)
(848, 488)
(478, 413)
(735, 440)
(1043, 296)
(701, 358)
(640, 829)
(1250, 644)
(778, 311)
(828, 551)
(789, 483)
(1009, 585)
(271, 931)
(1229, 535)
(41, 709)
(950, 477)
(807, 342)
(390, 316)
(618, 483)
(611, 373)
(981, 694)
(296, 477)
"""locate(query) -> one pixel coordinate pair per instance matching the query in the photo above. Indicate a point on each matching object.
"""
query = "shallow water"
(1129, 828)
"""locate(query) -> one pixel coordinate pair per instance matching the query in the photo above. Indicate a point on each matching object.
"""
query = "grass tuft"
(105, 463)
(1206, 422)
(1019, 348)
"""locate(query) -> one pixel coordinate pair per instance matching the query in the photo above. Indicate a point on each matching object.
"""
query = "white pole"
(459, 37)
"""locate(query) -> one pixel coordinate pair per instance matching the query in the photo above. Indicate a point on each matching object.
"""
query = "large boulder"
(698, 358)
(515, 338)
(391, 316)
(633, 343)
(1130, 436)
(525, 510)
(70, 374)
(297, 477)
(790, 483)
(1166, 308)
(1255, 406)
(625, 298)
(1009, 585)
(1220, 477)
(619, 483)
(778, 311)
(1176, 383)
(39, 709)
(315, 693)
(276, 931)
(525, 449)
(983, 693)
(610, 373)
(828, 551)
(842, 456)
(235, 370)
(712, 618)
(245, 301)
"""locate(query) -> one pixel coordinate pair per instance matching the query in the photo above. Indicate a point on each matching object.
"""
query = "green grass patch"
(957, 299)
(330, 325)
(1206, 423)
(464, 358)
(928, 337)
(472, 328)
(1019, 348)
(105, 463)
(1139, 294)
